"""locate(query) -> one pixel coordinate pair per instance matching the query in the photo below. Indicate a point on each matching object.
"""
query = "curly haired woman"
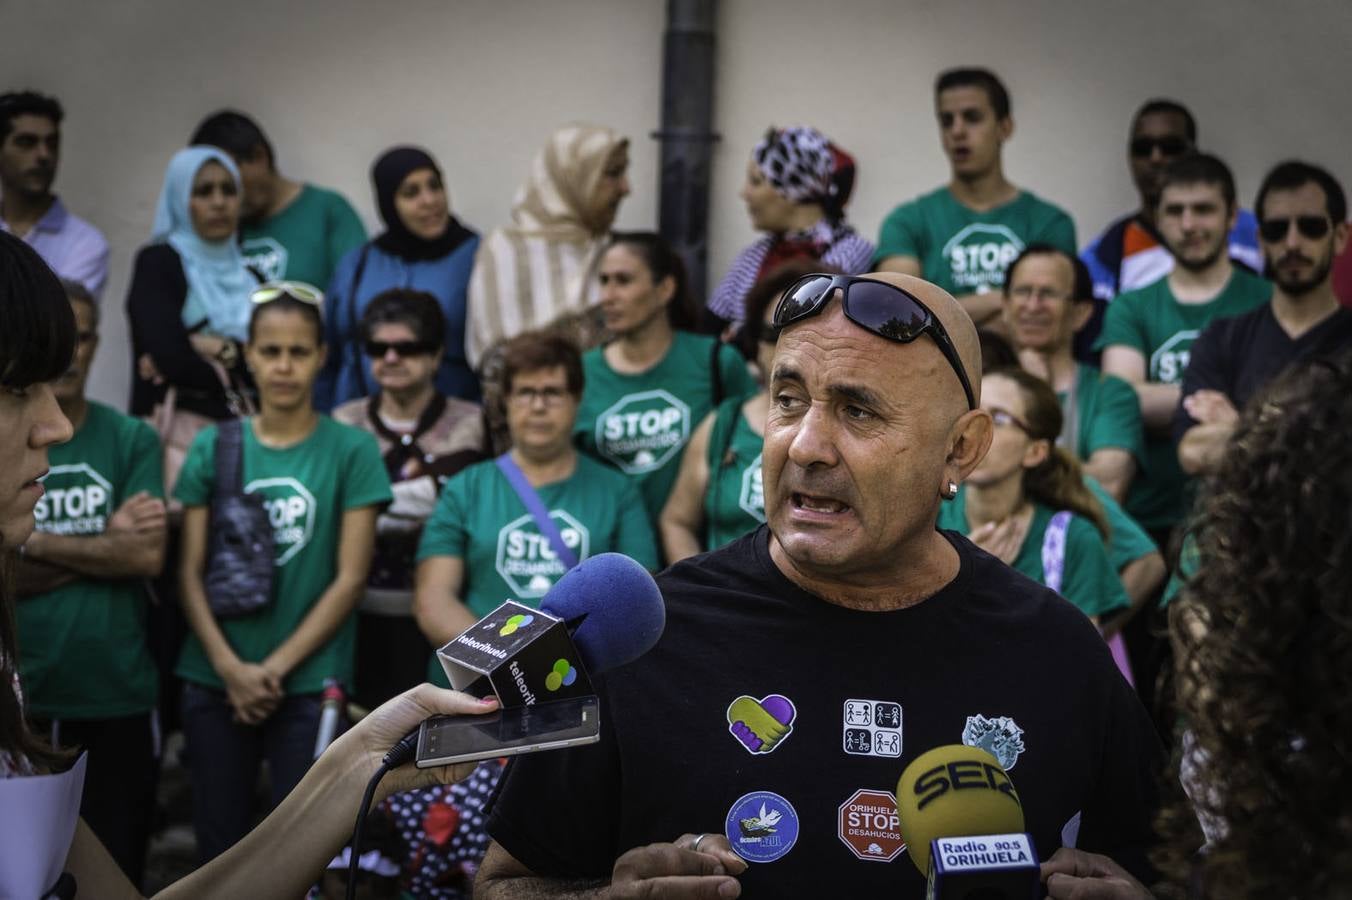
(1264, 643)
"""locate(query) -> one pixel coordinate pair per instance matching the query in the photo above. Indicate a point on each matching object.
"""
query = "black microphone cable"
(400, 754)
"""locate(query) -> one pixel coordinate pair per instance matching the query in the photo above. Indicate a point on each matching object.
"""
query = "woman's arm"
(356, 545)
(288, 851)
(155, 313)
(252, 690)
(683, 516)
(437, 606)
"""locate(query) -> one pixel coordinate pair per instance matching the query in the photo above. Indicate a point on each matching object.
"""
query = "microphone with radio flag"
(962, 821)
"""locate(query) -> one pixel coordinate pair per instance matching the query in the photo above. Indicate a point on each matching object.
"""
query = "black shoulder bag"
(238, 578)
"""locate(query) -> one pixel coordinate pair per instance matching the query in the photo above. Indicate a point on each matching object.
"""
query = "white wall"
(481, 83)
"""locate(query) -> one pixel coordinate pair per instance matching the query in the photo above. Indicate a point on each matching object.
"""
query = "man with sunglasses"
(1302, 214)
(819, 654)
(1130, 253)
(962, 236)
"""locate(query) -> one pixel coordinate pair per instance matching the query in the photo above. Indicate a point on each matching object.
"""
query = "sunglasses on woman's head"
(1311, 227)
(296, 290)
(875, 306)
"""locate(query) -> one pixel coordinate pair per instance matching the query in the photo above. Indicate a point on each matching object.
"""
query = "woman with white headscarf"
(542, 266)
(797, 185)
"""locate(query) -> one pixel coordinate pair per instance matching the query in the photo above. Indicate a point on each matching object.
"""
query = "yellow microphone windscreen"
(954, 791)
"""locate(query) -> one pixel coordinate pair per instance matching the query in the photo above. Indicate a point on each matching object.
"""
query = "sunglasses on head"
(378, 349)
(296, 290)
(875, 306)
(1312, 227)
(1168, 146)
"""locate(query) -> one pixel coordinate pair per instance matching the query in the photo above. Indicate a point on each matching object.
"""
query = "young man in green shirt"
(88, 676)
(964, 235)
(1148, 332)
(288, 229)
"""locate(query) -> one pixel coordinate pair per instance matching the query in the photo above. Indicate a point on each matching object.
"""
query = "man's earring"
(951, 491)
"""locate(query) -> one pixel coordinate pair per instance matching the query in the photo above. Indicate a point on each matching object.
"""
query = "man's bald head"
(951, 315)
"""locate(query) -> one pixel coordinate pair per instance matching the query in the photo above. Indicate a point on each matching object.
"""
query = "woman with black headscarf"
(423, 248)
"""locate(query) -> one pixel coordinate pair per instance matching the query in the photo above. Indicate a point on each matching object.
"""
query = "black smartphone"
(508, 732)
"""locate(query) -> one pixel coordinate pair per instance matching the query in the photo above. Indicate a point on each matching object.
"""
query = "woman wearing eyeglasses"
(423, 248)
(649, 387)
(797, 185)
(718, 496)
(253, 681)
(425, 438)
(483, 543)
(1027, 504)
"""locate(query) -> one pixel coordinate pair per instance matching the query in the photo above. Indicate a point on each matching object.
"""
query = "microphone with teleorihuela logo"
(602, 613)
(963, 825)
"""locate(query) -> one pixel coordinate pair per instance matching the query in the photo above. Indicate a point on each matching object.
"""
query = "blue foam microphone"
(612, 608)
(602, 613)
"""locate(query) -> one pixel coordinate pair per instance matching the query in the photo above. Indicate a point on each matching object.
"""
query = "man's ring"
(694, 845)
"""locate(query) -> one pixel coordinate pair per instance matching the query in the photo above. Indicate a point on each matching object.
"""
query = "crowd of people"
(410, 428)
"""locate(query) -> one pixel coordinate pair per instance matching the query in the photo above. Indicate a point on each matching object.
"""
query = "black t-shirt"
(1238, 356)
(993, 656)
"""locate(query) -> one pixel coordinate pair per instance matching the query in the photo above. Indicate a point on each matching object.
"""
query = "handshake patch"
(761, 725)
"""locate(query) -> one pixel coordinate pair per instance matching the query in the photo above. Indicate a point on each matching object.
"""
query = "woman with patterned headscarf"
(541, 267)
(797, 185)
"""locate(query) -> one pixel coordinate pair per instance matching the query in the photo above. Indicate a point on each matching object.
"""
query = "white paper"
(37, 823)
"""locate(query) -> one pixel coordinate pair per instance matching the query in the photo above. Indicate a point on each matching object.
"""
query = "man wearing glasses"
(816, 656)
(1301, 211)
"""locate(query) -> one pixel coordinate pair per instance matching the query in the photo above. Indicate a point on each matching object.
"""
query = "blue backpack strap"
(1054, 550)
(536, 507)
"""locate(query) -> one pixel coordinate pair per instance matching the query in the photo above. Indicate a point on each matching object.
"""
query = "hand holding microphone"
(603, 613)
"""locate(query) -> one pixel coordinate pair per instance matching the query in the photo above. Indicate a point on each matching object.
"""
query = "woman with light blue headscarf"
(188, 304)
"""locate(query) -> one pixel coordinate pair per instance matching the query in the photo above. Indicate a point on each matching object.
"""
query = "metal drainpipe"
(687, 135)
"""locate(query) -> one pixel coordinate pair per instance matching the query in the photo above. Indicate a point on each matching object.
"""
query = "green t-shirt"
(640, 423)
(480, 520)
(1128, 541)
(1152, 321)
(1087, 579)
(1108, 415)
(964, 251)
(734, 502)
(1189, 562)
(305, 240)
(307, 488)
(83, 651)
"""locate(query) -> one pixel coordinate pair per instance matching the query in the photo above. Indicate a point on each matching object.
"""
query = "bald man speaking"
(754, 750)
